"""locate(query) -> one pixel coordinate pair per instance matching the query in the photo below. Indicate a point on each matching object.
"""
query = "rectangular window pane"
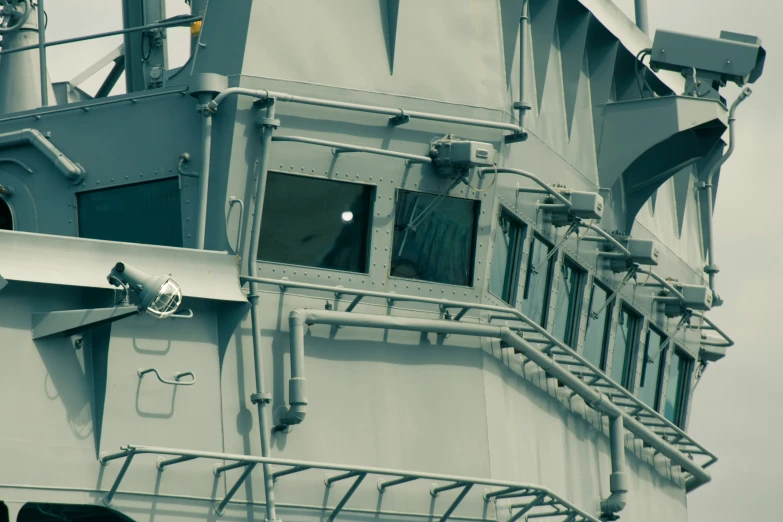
(506, 258)
(569, 300)
(597, 323)
(625, 342)
(537, 282)
(652, 366)
(316, 222)
(677, 387)
(147, 213)
(438, 245)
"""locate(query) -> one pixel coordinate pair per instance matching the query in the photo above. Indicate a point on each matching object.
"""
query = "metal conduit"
(394, 113)
(538, 181)
(592, 397)
(346, 147)
(712, 268)
(71, 170)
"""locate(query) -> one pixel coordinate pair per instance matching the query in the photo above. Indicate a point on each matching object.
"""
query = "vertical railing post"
(42, 53)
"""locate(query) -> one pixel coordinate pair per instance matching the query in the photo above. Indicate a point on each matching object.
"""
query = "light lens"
(347, 216)
(166, 301)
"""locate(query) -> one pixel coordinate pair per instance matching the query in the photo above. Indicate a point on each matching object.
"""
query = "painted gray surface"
(562, 148)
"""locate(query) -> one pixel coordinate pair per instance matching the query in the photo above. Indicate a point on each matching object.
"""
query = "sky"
(736, 412)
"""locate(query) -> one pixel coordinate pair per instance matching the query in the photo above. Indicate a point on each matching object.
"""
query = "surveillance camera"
(733, 57)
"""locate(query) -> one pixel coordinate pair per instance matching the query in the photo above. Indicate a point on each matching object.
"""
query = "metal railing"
(529, 500)
(578, 365)
(42, 45)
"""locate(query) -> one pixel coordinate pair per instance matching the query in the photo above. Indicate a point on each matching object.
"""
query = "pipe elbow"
(297, 317)
(614, 504)
(506, 333)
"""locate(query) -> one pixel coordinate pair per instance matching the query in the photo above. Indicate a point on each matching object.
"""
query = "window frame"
(514, 258)
(549, 276)
(608, 321)
(574, 312)
(474, 239)
(632, 352)
(683, 386)
(661, 365)
(77, 206)
(370, 224)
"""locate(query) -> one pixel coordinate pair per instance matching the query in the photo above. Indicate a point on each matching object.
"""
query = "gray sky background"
(736, 413)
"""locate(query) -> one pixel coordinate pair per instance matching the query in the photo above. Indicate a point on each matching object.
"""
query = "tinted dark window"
(147, 213)
(437, 245)
(316, 222)
(570, 288)
(625, 343)
(39, 512)
(652, 368)
(6, 218)
(507, 258)
(537, 281)
(597, 326)
(677, 387)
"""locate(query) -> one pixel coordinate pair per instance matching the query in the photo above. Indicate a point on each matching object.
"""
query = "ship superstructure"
(361, 260)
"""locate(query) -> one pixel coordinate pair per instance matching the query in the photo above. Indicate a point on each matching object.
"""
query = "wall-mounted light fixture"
(159, 296)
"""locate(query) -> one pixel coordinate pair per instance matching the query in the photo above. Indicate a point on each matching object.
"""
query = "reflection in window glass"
(147, 213)
(536, 296)
(652, 366)
(625, 342)
(597, 325)
(569, 299)
(506, 258)
(677, 388)
(316, 222)
(6, 218)
(437, 245)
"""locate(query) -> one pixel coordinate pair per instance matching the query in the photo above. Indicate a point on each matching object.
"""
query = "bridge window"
(626, 339)
(652, 368)
(677, 387)
(39, 512)
(538, 281)
(507, 257)
(568, 307)
(598, 325)
(6, 218)
(434, 238)
(147, 213)
(316, 222)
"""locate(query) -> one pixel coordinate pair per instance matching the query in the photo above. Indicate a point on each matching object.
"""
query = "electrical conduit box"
(587, 205)
(454, 157)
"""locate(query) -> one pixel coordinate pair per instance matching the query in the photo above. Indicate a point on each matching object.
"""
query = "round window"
(6, 218)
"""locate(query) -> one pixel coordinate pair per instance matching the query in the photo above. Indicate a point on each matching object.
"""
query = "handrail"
(538, 181)
(638, 407)
(399, 116)
(346, 147)
(173, 22)
(177, 376)
(509, 489)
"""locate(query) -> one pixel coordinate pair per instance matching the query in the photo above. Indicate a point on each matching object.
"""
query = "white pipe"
(206, 156)
(618, 481)
(712, 268)
(73, 171)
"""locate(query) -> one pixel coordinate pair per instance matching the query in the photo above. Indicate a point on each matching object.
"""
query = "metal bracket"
(516, 137)
(70, 322)
(400, 119)
(265, 398)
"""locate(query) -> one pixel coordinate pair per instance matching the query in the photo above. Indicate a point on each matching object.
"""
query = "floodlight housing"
(159, 296)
